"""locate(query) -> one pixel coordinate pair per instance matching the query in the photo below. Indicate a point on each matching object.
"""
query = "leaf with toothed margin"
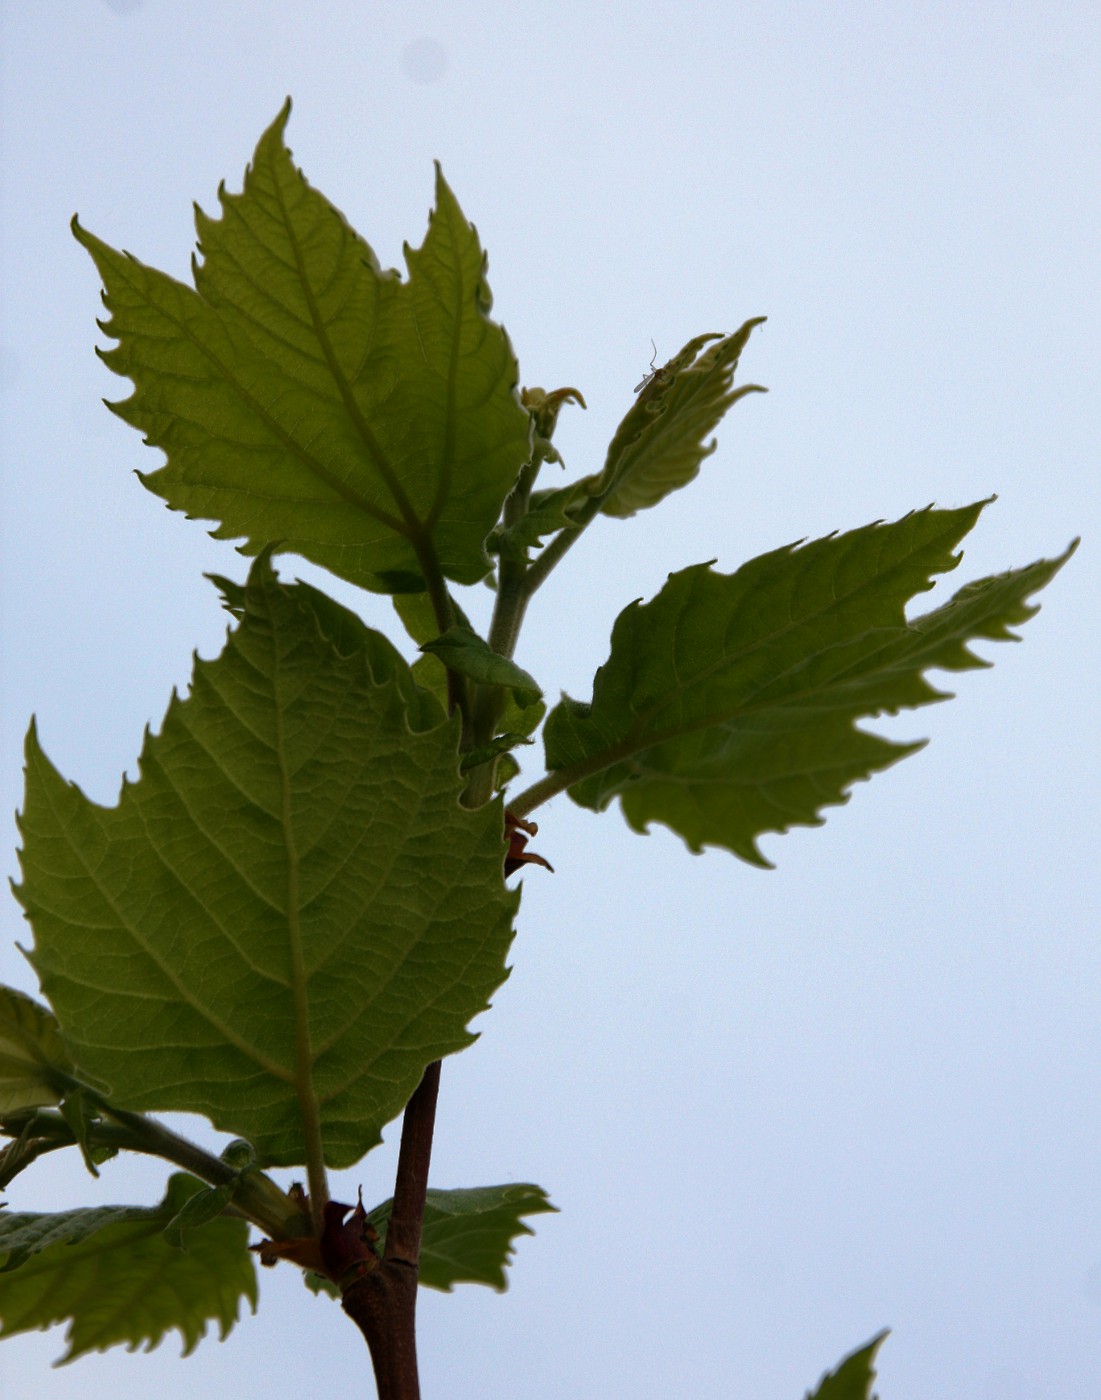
(661, 442)
(727, 707)
(301, 394)
(289, 915)
(468, 1234)
(854, 1378)
(110, 1274)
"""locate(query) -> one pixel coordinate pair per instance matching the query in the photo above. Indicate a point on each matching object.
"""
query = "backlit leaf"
(659, 445)
(727, 706)
(289, 915)
(31, 1054)
(468, 1234)
(110, 1274)
(301, 394)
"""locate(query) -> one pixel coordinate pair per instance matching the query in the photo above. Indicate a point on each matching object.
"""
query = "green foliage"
(302, 394)
(461, 650)
(727, 706)
(660, 444)
(109, 1272)
(854, 1378)
(298, 906)
(289, 915)
(35, 1067)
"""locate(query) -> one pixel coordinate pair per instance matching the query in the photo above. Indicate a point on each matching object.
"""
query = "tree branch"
(383, 1302)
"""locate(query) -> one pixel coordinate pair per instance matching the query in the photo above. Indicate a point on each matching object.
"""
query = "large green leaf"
(34, 1063)
(303, 395)
(854, 1378)
(289, 915)
(659, 445)
(727, 706)
(109, 1272)
(468, 1234)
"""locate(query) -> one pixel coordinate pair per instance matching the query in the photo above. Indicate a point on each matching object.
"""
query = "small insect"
(653, 373)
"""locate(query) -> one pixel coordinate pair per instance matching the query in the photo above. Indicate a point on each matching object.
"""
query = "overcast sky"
(779, 1110)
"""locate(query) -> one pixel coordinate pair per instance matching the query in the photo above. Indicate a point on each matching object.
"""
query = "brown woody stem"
(383, 1303)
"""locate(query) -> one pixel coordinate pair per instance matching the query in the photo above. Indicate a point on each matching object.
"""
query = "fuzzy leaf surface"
(854, 1378)
(302, 394)
(468, 1234)
(31, 1054)
(661, 442)
(109, 1273)
(727, 707)
(288, 916)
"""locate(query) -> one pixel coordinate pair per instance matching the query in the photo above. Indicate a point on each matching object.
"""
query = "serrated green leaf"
(468, 1234)
(661, 442)
(289, 915)
(854, 1378)
(34, 1063)
(463, 651)
(303, 395)
(727, 707)
(108, 1272)
(350, 635)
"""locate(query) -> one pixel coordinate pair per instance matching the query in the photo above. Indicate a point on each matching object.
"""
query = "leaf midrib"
(639, 740)
(222, 1027)
(295, 448)
(413, 526)
(873, 581)
(303, 1050)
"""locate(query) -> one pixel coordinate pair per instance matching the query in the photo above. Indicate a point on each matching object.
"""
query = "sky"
(778, 1110)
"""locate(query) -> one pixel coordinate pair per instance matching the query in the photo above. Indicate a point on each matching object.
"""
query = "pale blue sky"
(779, 1110)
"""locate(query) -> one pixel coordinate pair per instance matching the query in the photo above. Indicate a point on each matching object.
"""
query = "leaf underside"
(289, 915)
(662, 440)
(468, 1234)
(304, 395)
(31, 1048)
(727, 707)
(109, 1272)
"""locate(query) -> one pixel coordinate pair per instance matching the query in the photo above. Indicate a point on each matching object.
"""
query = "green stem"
(258, 1198)
(554, 552)
(542, 791)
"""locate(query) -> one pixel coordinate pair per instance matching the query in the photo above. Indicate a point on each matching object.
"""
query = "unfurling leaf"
(462, 650)
(468, 1234)
(661, 442)
(109, 1272)
(854, 1378)
(303, 395)
(289, 915)
(35, 1067)
(727, 707)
